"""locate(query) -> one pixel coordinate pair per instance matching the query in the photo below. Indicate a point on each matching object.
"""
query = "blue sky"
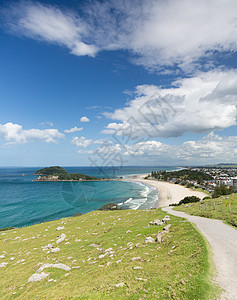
(118, 82)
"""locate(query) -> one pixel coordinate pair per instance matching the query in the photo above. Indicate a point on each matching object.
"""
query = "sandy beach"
(168, 193)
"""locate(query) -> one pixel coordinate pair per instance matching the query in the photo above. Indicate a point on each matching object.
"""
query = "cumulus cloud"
(15, 134)
(84, 119)
(212, 148)
(74, 129)
(159, 33)
(199, 104)
(84, 143)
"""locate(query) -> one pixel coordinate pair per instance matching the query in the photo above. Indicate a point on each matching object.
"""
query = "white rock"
(60, 228)
(149, 239)
(136, 258)
(49, 246)
(12, 258)
(61, 238)
(2, 265)
(137, 268)
(20, 261)
(118, 261)
(55, 250)
(2, 256)
(109, 250)
(58, 266)
(141, 279)
(121, 284)
(37, 277)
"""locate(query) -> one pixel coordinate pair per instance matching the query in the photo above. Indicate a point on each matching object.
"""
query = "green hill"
(58, 173)
(102, 255)
(51, 171)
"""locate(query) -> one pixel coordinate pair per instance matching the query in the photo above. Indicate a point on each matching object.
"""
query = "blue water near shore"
(24, 202)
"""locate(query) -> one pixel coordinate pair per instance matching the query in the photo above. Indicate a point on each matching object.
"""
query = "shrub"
(189, 199)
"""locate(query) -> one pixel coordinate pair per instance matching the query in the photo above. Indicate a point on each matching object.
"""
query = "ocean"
(24, 202)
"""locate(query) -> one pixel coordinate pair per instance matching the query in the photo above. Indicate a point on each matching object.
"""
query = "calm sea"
(24, 202)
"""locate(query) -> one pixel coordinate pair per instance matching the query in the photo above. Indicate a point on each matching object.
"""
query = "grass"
(179, 268)
(202, 190)
(222, 208)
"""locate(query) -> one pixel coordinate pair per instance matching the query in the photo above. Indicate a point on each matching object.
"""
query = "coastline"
(168, 193)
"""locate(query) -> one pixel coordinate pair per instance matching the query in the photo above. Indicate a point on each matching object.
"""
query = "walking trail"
(223, 240)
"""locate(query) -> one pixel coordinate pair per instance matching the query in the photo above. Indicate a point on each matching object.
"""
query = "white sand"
(168, 192)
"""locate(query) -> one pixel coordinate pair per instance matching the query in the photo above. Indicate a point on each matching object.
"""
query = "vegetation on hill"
(223, 208)
(184, 174)
(178, 268)
(58, 173)
(51, 171)
(76, 176)
(188, 199)
(222, 190)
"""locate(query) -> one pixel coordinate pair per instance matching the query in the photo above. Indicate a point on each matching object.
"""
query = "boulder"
(136, 258)
(157, 222)
(38, 277)
(166, 218)
(149, 239)
(77, 215)
(121, 284)
(159, 237)
(61, 238)
(4, 264)
(55, 250)
(58, 266)
(110, 206)
(167, 227)
(60, 228)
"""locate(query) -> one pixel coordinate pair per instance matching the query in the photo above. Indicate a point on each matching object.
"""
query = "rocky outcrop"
(110, 206)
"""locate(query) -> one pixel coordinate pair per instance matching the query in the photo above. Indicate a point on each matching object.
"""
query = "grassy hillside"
(178, 268)
(222, 208)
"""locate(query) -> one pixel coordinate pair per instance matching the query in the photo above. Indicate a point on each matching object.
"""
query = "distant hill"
(51, 171)
(224, 165)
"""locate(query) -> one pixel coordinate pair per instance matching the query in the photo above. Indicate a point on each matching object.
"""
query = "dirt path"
(223, 240)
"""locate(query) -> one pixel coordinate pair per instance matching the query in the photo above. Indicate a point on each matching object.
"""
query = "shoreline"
(168, 193)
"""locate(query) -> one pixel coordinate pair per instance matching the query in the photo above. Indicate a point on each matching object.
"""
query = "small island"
(57, 173)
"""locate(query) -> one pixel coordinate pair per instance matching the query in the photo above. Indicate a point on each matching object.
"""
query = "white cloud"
(84, 143)
(159, 33)
(210, 149)
(199, 104)
(84, 119)
(74, 129)
(48, 123)
(49, 23)
(15, 134)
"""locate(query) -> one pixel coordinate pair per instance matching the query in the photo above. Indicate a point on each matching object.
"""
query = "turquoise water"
(24, 202)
